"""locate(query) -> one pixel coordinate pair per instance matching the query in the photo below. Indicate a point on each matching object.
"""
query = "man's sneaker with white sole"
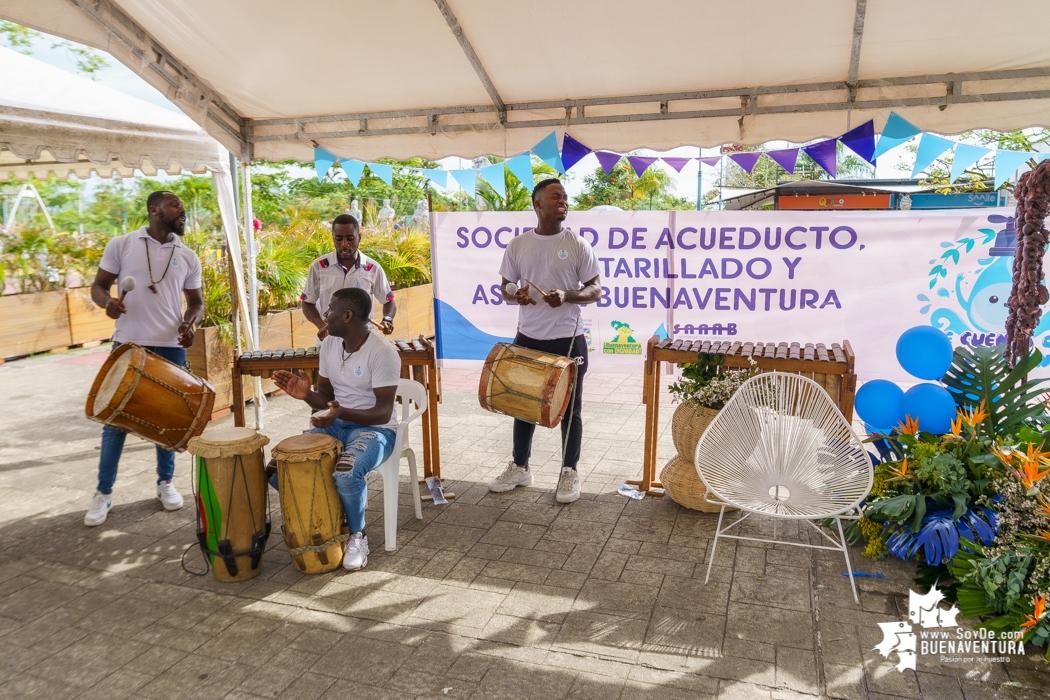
(168, 496)
(512, 477)
(99, 510)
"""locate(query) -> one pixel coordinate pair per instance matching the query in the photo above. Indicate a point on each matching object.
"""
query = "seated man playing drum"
(357, 382)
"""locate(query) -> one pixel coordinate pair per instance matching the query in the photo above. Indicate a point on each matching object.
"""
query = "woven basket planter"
(687, 425)
(681, 482)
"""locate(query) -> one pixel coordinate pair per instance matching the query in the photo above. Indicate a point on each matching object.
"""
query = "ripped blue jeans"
(365, 447)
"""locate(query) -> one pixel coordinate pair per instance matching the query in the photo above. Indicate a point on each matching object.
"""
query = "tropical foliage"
(625, 189)
(708, 384)
(973, 506)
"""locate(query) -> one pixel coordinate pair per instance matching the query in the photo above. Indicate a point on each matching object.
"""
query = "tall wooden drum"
(142, 393)
(314, 528)
(527, 384)
(233, 521)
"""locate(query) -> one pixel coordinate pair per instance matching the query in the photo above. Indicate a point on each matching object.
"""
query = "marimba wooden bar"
(418, 362)
(831, 367)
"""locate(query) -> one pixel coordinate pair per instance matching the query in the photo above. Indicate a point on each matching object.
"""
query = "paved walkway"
(493, 596)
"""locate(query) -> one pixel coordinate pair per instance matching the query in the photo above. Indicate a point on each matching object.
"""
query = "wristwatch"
(388, 319)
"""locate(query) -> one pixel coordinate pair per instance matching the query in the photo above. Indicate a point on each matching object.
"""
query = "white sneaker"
(99, 509)
(168, 496)
(511, 477)
(568, 486)
(356, 555)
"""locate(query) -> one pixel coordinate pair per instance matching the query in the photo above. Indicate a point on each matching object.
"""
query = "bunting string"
(861, 140)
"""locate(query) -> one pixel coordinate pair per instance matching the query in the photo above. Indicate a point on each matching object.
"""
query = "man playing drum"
(150, 316)
(564, 269)
(357, 382)
(344, 268)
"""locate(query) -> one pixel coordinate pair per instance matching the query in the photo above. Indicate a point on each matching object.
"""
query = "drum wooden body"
(314, 527)
(233, 523)
(527, 384)
(145, 395)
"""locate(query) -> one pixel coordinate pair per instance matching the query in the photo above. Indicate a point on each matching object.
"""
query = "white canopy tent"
(403, 78)
(56, 123)
(435, 78)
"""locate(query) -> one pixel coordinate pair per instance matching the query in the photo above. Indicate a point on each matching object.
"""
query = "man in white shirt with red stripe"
(165, 272)
(347, 267)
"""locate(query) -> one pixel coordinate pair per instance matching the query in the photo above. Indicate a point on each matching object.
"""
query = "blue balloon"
(932, 405)
(924, 352)
(878, 403)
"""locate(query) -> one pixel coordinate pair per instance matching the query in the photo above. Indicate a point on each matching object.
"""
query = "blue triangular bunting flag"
(861, 140)
(383, 171)
(521, 167)
(467, 179)
(824, 153)
(572, 152)
(438, 177)
(1007, 163)
(897, 131)
(547, 150)
(354, 169)
(965, 156)
(323, 162)
(930, 149)
(496, 176)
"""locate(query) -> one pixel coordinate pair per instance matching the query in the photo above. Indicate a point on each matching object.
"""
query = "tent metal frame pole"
(253, 280)
(426, 121)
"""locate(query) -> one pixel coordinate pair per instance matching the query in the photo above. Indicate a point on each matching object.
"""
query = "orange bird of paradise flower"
(1044, 534)
(1033, 619)
(910, 426)
(1043, 505)
(957, 424)
(901, 473)
(974, 416)
(1029, 473)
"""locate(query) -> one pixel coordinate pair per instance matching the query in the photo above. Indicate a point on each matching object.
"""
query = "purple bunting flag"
(640, 164)
(746, 160)
(824, 153)
(711, 160)
(608, 160)
(861, 141)
(785, 158)
(676, 163)
(572, 151)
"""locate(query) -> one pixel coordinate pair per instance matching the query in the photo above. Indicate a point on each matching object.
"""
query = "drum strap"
(320, 547)
(229, 557)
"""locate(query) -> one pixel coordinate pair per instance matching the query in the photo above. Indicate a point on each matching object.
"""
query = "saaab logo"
(932, 630)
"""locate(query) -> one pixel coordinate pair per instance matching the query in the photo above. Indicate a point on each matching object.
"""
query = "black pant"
(573, 422)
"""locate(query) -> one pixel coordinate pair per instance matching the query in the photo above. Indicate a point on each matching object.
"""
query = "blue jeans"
(365, 447)
(113, 439)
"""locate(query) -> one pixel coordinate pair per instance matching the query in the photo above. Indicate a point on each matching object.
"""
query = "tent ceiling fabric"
(54, 122)
(373, 79)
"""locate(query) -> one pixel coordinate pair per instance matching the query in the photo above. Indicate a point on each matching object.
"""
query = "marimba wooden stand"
(832, 368)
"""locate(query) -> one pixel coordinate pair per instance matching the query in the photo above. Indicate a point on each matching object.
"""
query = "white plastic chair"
(781, 448)
(409, 392)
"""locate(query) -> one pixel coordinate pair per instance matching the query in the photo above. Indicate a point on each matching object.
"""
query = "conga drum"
(233, 521)
(142, 393)
(527, 384)
(314, 528)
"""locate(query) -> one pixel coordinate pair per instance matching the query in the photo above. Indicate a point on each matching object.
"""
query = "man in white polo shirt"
(566, 267)
(357, 382)
(165, 272)
(347, 267)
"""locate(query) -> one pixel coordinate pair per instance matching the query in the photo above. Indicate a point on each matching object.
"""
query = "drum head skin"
(226, 442)
(112, 381)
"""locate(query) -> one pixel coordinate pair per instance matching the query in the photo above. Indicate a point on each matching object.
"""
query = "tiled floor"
(493, 596)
